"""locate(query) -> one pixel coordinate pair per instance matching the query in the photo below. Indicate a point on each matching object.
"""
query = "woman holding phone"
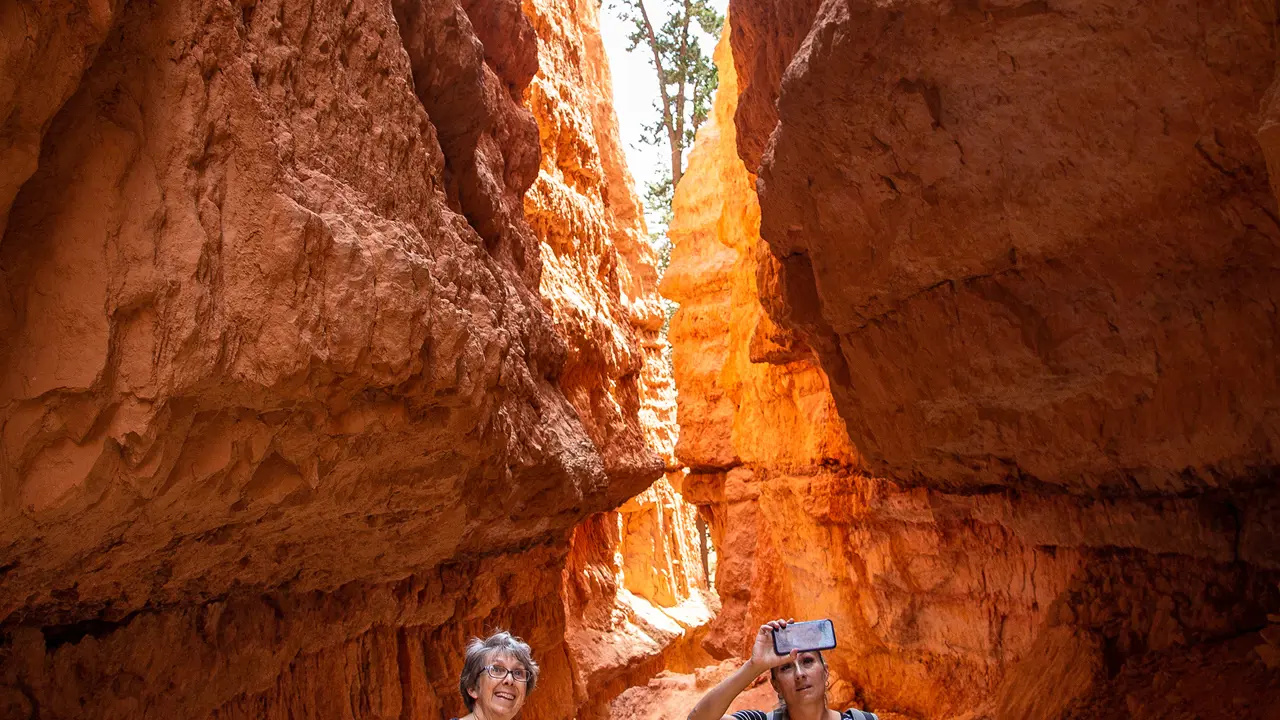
(799, 677)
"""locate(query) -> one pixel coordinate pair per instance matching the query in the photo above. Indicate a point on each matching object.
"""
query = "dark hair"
(773, 678)
(480, 651)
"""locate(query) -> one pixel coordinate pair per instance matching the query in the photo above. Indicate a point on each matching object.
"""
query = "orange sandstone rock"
(948, 599)
(733, 407)
(620, 637)
(635, 589)
(285, 411)
(54, 42)
(598, 272)
(764, 35)
(1031, 246)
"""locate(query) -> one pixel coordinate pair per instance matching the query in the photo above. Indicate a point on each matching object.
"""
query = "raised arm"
(713, 705)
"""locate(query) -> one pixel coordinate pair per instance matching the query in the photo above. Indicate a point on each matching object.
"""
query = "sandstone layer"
(1013, 599)
(764, 35)
(55, 42)
(635, 592)
(636, 598)
(1033, 243)
(289, 407)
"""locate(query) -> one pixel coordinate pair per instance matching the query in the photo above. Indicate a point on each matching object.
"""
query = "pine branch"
(677, 147)
(662, 73)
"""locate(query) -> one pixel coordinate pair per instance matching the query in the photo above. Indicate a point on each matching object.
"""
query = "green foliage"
(685, 74)
(662, 246)
(657, 203)
(686, 80)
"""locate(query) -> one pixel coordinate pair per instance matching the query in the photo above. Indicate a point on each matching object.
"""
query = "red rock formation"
(1038, 245)
(1019, 599)
(588, 221)
(284, 411)
(764, 35)
(758, 421)
(635, 590)
(627, 621)
(56, 44)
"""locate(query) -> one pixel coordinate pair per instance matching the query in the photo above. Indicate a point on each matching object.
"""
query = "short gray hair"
(480, 651)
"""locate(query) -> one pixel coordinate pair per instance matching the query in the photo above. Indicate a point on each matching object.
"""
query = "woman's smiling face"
(499, 698)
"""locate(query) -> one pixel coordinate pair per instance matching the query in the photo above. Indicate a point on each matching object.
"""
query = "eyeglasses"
(497, 672)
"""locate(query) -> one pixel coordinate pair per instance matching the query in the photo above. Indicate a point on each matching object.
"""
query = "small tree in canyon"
(686, 80)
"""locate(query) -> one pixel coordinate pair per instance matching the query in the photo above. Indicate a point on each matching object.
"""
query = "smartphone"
(802, 636)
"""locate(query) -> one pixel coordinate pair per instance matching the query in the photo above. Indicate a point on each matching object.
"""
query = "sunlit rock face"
(598, 275)
(1015, 599)
(636, 598)
(750, 392)
(290, 408)
(757, 416)
(635, 590)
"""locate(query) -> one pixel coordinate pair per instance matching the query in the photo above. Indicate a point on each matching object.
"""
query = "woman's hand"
(715, 703)
(762, 655)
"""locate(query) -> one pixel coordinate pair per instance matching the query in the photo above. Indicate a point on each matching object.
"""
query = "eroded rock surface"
(1032, 246)
(287, 404)
(56, 42)
(635, 591)
(599, 279)
(764, 35)
(1018, 598)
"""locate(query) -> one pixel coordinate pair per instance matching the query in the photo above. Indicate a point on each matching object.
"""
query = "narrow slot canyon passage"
(331, 337)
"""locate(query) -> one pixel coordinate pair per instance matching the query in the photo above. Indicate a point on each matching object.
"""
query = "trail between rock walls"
(673, 695)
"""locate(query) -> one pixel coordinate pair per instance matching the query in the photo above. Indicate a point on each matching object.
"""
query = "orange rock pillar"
(636, 596)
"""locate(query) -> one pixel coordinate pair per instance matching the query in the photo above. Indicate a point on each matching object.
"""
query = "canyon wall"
(291, 405)
(635, 592)
(967, 574)
(1039, 243)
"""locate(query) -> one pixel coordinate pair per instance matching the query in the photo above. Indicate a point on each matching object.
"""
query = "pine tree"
(685, 74)
(686, 81)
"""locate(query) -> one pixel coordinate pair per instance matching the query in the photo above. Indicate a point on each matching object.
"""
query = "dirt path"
(672, 695)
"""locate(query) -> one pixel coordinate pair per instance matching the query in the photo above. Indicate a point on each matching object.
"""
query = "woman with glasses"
(497, 674)
(799, 678)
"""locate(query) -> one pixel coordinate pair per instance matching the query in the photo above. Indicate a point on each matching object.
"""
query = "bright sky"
(635, 88)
